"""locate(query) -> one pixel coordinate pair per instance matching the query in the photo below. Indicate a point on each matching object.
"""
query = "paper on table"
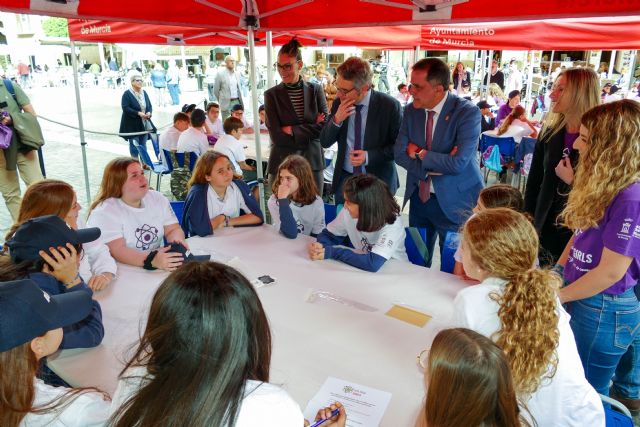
(409, 315)
(364, 405)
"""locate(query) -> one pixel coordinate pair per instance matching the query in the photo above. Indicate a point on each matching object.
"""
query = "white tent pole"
(417, 58)
(630, 71)
(269, 60)
(550, 67)
(612, 64)
(101, 53)
(256, 118)
(489, 63)
(529, 70)
(83, 143)
(483, 70)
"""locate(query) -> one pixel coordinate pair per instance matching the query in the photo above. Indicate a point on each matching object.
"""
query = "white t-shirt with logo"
(567, 399)
(233, 149)
(194, 141)
(309, 218)
(264, 404)
(86, 410)
(230, 206)
(388, 242)
(141, 228)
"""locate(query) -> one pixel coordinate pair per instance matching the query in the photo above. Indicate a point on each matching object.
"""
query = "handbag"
(5, 136)
(25, 124)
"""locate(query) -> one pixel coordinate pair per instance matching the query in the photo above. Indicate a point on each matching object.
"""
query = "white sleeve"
(390, 237)
(204, 145)
(108, 218)
(461, 308)
(87, 410)
(100, 258)
(128, 385)
(238, 152)
(274, 210)
(337, 227)
(318, 216)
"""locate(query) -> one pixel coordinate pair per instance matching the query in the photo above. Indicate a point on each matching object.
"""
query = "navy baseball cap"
(188, 108)
(43, 232)
(237, 107)
(483, 104)
(27, 312)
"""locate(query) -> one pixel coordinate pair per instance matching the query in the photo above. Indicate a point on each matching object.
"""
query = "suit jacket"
(546, 194)
(279, 112)
(130, 120)
(458, 125)
(222, 89)
(380, 133)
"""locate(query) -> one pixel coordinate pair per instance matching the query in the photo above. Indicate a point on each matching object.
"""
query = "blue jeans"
(174, 91)
(141, 139)
(607, 332)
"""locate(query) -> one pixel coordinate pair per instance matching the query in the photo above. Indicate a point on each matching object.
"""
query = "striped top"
(296, 95)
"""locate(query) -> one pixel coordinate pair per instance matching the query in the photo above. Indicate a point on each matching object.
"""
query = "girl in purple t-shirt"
(602, 260)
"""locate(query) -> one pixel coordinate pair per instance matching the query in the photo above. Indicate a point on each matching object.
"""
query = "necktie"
(357, 143)
(425, 184)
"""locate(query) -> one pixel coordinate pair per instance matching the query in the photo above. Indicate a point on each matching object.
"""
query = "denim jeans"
(607, 332)
(174, 92)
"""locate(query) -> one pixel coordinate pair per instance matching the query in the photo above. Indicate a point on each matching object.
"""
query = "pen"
(322, 421)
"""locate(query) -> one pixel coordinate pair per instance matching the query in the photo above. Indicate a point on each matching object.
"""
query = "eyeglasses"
(138, 80)
(343, 91)
(285, 67)
(422, 358)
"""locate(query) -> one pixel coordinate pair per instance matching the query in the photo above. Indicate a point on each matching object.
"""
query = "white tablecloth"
(248, 140)
(311, 341)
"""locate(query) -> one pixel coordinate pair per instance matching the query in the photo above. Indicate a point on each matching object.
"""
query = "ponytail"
(529, 332)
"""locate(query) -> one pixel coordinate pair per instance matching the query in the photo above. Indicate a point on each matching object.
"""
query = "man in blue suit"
(437, 145)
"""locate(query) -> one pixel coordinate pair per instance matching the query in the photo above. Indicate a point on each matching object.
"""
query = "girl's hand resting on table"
(316, 251)
(167, 261)
(100, 281)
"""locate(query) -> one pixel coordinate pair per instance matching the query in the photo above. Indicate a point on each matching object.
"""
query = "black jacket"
(130, 121)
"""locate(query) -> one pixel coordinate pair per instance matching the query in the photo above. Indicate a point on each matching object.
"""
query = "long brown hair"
(377, 206)
(469, 383)
(46, 197)
(17, 391)
(299, 167)
(204, 165)
(113, 178)
(502, 196)
(610, 164)
(504, 243)
(516, 113)
(206, 336)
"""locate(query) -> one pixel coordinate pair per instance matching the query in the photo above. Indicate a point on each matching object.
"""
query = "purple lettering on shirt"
(618, 231)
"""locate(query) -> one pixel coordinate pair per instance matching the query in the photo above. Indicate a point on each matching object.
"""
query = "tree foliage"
(55, 27)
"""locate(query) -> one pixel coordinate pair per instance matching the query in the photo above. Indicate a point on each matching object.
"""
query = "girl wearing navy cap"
(31, 324)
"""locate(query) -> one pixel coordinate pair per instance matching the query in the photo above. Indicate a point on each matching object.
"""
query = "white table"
(248, 140)
(311, 341)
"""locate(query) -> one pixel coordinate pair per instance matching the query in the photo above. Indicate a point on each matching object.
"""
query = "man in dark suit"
(365, 124)
(437, 145)
(295, 112)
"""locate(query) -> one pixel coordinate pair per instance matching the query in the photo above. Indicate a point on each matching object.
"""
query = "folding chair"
(507, 147)
(615, 413)
(178, 209)
(451, 242)
(526, 146)
(415, 243)
(331, 212)
(154, 167)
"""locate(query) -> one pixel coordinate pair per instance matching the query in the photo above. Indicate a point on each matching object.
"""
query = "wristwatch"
(148, 260)
(226, 221)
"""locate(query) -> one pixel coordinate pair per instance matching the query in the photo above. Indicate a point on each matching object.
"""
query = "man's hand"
(287, 129)
(345, 109)
(412, 150)
(357, 157)
(320, 118)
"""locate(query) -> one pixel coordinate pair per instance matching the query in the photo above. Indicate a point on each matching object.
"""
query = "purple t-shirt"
(618, 231)
(569, 139)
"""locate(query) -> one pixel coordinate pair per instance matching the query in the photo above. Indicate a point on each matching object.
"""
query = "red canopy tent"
(300, 14)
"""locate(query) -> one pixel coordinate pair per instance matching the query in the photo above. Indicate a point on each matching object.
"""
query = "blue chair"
(615, 413)
(155, 167)
(526, 146)
(507, 147)
(193, 158)
(331, 212)
(180, 159)
(451, 242)
(178, 209)
(154, 137)
(415, 243)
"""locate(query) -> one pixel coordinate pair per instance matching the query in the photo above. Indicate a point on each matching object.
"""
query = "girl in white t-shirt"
(370, 220)
(134, 220)
(295, 206)
(518, 307)
(207, 344)
(468, 383)
(54, 197)
(217, 198)
(517, 125)
(31, 330)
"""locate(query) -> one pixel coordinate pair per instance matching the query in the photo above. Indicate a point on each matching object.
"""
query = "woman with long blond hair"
(463, 363)
(55, 197)
(602, 260)
(135, 220)
(517, 306)
(575, 91)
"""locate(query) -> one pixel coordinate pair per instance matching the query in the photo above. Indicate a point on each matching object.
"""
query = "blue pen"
(319, 422)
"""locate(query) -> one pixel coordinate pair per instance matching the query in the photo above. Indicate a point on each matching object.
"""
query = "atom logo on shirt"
(146, 236)
(366, 246)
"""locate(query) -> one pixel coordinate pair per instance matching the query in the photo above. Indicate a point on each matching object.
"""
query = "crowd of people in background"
(550, 317)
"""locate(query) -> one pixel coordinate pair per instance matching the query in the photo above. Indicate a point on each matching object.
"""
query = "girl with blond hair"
(517, 306)
(602, 259)
(575, 91)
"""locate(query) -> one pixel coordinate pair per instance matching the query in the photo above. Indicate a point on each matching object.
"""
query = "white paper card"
(364, 405)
